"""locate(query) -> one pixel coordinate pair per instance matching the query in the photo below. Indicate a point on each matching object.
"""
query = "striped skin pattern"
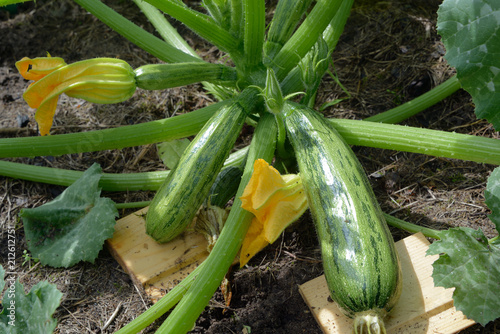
(359, 258)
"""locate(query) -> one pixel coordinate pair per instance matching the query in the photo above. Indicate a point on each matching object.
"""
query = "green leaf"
(470, 264)
(72, 227)
(170, 151)
(11, 2)
(492, 197)
(31, 313)
(471, 34)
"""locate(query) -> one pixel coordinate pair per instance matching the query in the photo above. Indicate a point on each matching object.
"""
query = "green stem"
(306, 35)
(285, 19)
(416, 140)
(424, 101)
(126, 136)
(292, 82)
(236, 18)
(280, 145)
(164, 28)
(132, 205)
(404, 225)
(163, 305)
(108, 182)
(135, 34)
(183, 317)
(255, 15)
(201, 24)
(336, 26)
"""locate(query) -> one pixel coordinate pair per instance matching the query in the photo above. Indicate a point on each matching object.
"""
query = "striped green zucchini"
(359, 257)
(186, 187)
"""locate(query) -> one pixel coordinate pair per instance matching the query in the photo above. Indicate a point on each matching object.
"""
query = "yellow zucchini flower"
(98, 80)
(275, 200)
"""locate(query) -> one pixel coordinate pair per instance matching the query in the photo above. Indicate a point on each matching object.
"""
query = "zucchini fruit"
(187, 185)
(359, 258)
(163, 76)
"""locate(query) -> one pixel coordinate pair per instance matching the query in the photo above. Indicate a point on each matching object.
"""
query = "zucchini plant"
(269, 68)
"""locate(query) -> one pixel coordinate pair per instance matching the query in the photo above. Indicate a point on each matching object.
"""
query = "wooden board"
(155, 267)
(422, 308)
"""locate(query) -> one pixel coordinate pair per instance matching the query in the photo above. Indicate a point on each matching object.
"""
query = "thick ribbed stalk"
(135, 34)
(108, 182)
(416, 140)
(125, 136)
(182, 318)
(255, 14)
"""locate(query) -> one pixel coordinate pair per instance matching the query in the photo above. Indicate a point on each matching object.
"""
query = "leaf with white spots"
(469, 263)
(72, 227)
(470, 30)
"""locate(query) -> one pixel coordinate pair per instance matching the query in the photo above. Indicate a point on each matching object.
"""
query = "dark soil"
(389, 53)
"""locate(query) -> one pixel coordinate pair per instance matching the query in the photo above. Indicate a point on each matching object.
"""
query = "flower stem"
(135, 34)
(182, 318)
(126, 136)
(424, 101)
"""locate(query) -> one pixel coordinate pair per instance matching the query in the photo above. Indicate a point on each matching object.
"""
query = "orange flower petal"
(253, 243)
(44, 115)
(35, 69)
(265, 181)
(276, 201)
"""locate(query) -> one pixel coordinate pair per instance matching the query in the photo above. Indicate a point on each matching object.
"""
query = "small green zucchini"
(163, 76)
(225, 186)
(187, 185)
(359, 258)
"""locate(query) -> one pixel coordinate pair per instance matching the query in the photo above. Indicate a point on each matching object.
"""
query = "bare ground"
(388, 54)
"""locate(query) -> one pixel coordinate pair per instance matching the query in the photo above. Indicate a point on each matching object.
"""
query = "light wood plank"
(155, 267)
(422, 308)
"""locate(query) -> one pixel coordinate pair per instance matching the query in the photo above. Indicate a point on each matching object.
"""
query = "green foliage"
(471, 265)
(72, 227)
(171, 151)
(492, 197)
(31, 313)
(471, 33)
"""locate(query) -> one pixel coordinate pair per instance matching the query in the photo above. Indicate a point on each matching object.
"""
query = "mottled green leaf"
(470, 30)
(170, 152)
(72, 227)
(470, 264)
(31, 313)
